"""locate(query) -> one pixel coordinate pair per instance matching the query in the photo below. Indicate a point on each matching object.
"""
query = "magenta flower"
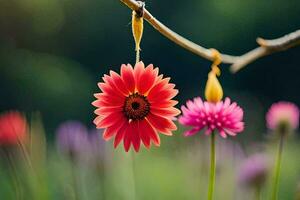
(225, 117)
(282, 113)
(254, 170)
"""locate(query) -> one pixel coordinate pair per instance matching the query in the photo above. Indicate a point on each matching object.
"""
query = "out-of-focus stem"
(277, 169)
(258, 192)
(13, 172)
(133, 168)
(212, 167)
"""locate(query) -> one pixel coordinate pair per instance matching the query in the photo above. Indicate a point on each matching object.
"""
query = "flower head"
(13, 128)
(135, 106)
(254, 170)
(225, 117)
(283, 115)
(72, 139)
(75, 141)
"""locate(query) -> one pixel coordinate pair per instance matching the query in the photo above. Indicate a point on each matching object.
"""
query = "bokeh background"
(53, 52)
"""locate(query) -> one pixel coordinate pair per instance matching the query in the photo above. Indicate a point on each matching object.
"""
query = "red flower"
(13, 128)
(135, 106)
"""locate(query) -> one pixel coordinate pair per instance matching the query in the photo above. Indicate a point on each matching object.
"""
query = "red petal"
(109, 91)
(127, 77)
(106, 100)
(164, 104)
(109, 80)
(161, 124)
(149, 130)
(109, 120)
(107, 110)
(143, 134)
(163, 94)
(120, 134)
(136, 140)
(158, 87)
(167, 112)
(97, 120)
(146, 80)
(127, 138)
(112, 130)
(138, 70)
(119, 83)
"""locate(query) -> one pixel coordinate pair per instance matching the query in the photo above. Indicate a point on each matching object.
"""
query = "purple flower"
(253, 171)
(75, 141)
(72, 139)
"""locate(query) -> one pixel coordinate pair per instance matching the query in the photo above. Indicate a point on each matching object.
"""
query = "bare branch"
(267, 47)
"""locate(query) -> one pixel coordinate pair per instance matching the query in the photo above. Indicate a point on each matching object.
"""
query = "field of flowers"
(144, 131)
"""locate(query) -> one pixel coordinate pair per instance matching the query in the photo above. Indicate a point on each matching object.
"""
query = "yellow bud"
(213, 89)
(137, 29)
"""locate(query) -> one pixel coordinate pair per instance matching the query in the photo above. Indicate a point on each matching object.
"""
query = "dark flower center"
(136, 106)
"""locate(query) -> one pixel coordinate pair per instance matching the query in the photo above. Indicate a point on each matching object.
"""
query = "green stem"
(212, 167)
(75, 181)
(133, 168)
(277, 169)
(14, 175)
(258, 193)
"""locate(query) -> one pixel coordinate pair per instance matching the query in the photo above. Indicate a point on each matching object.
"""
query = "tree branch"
(266, 47)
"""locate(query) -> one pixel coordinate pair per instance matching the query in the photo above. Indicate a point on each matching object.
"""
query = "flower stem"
(75, 181)
(137, 56)
(277, 169)
(14, 175)
(133, 171)
(258, 193)
(212, 167)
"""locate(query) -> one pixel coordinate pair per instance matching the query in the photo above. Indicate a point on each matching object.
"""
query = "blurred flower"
(13, 128)
(283, 116)
(96, 149)
(226, 117)
(72, 139)
(254, 170)
(135, 106)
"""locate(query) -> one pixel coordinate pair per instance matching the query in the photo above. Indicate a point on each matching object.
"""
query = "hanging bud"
(213, 89)
(137, 28)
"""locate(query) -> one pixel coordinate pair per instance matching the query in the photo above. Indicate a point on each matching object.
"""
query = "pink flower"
(281, 113)
(226, 117)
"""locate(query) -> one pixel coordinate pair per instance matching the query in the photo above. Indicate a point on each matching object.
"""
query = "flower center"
(136, 106)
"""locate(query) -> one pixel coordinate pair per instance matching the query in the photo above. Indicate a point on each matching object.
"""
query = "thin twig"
(266, 47)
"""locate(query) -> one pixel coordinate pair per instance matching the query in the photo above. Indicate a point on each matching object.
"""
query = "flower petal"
(169, 112)
(145, 137)
(136, 140)
(146, 80)
(128, 77)
(112, 130)
(120, 134)
(119, 83)
(162, 124)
